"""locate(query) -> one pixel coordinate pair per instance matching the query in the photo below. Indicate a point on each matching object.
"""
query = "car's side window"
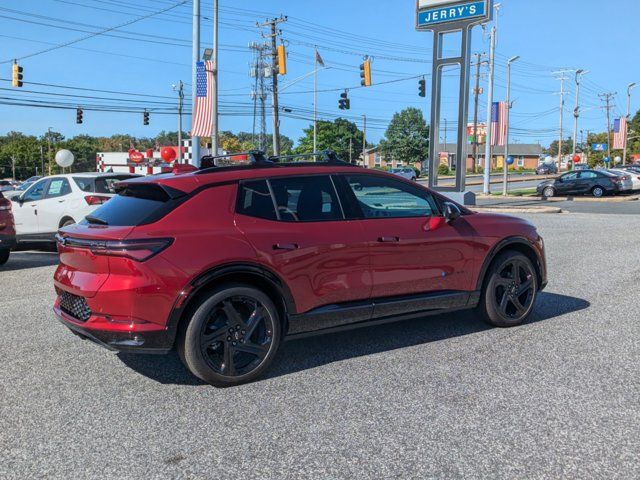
(254, 200)
(569, 176)
(306, 199)
(85, 184)
(381, 197)
(36, 192)
(58, 187)
(588, 175)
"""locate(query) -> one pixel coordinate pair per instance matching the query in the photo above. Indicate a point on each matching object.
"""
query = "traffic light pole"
(476, 94)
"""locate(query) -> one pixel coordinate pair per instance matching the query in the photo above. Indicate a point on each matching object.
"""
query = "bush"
(480, 169)
(443, 169)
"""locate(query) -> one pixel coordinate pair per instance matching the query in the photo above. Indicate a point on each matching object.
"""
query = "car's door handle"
(389, 239)
(286, 246)
(60, 201)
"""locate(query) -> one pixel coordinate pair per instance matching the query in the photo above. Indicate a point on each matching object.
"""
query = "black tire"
(549, 192)
(4, 255)
(220, 346)
(598, 191)
(67, 222)
(509, 291)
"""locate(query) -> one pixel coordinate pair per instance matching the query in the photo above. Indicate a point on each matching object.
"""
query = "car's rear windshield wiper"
(96, 220)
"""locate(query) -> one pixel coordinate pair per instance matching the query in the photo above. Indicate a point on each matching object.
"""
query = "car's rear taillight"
(139, 250)
(96, 199)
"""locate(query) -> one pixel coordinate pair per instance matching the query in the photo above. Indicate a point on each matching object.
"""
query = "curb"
(619, 199)
(515, 209)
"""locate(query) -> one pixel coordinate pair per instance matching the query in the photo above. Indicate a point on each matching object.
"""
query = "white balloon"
(64, 158)
(618, 159)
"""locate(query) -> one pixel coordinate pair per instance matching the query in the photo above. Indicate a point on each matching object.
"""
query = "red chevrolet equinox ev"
(224, 263)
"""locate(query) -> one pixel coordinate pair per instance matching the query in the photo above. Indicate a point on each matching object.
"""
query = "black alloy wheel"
(232, 337)
(597, 191)
(510, 291)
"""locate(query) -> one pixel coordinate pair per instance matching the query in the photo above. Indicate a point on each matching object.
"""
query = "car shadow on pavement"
(308, 353)
(25, 260)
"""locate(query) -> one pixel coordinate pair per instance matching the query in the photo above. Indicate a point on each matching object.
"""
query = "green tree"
(341, 136)
(407, 137)
(567, 147)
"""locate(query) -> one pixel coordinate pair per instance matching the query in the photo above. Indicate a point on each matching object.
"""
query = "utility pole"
(562, 79)
(13, 168)
(49, 153)
(364, 139)
(180, 90)
(626, 134)
(505, 165)
(350, 149)
(607, 98)
(195, 57)
(576, 112)
(41, 160)
(476, 93)
(214, 82)
(273, 24)
(486, 189)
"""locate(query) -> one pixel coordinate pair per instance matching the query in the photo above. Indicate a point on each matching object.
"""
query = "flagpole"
(315, 103)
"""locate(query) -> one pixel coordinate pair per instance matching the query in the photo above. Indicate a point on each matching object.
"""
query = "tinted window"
(134, 205)
(85, 184)
(380, 197)
(569, 177)
(36, 191)
(58, 187)
(306, 199)
(102, 184)
(588, 175)
(255, 200)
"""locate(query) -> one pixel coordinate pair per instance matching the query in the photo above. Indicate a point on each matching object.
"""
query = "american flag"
(498, 123)
(201, 119)
(619, 133)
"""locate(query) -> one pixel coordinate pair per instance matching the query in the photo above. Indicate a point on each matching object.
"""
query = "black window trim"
(357, 210)
(273, 197)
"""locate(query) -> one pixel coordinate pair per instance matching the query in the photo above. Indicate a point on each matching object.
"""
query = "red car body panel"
(314, 265)
(7, 224)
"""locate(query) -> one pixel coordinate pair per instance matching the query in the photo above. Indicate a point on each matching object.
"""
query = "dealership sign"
(437, 12)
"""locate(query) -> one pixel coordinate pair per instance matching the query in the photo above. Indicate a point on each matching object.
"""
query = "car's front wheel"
(549, 192)
(4, 255)
(232, 336)
(510, 290)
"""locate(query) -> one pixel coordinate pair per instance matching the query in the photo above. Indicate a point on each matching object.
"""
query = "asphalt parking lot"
(441, 397)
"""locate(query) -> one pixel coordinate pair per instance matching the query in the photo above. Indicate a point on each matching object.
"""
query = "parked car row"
(597, 183)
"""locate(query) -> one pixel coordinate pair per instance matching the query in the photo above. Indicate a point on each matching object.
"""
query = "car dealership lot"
(444, 397)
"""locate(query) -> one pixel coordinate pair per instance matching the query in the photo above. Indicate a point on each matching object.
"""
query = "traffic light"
(282, 60)
(422, 88)
(365, 73)
(344, 103)
(145, 117)
(78, 115)
(16, 80)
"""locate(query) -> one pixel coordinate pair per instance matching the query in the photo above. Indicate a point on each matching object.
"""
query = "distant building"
(525, 156)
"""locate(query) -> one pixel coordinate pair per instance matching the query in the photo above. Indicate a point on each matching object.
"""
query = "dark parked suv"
(224, 262)
(584, 182)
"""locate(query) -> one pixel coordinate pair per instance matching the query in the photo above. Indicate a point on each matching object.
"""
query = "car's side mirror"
(451, 212)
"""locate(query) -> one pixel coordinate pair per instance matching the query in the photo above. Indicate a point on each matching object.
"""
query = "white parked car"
(408, 173)
(632, 172)
(60, 200)
(629, 182)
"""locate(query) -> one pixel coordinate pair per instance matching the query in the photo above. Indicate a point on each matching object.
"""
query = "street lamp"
(207, 54)
(505, 174)
(626, 137)
(576, 111)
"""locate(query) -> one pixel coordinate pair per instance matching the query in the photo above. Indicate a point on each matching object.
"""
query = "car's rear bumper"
(116, 336)
(7, 241)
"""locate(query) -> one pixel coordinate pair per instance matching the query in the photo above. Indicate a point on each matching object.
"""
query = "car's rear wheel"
(4, 255)
(549, 192)
(597, 191)
(232, 337)
(510, 290)
(67, 222)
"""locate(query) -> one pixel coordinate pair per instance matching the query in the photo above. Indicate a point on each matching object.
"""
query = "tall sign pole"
(195, 57)
(214, 83)
(449, 18)
(626, 134)
(576, 113)
(486, 189)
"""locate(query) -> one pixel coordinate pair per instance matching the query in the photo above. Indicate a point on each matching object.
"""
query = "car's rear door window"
(306, 199)
(58, 187)
(254, 200)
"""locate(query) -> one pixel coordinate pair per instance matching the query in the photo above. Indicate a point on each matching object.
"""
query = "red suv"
(225, 262)
(7, 230)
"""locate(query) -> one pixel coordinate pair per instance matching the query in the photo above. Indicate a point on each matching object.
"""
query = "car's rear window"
(102, 184)
(134, 205)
